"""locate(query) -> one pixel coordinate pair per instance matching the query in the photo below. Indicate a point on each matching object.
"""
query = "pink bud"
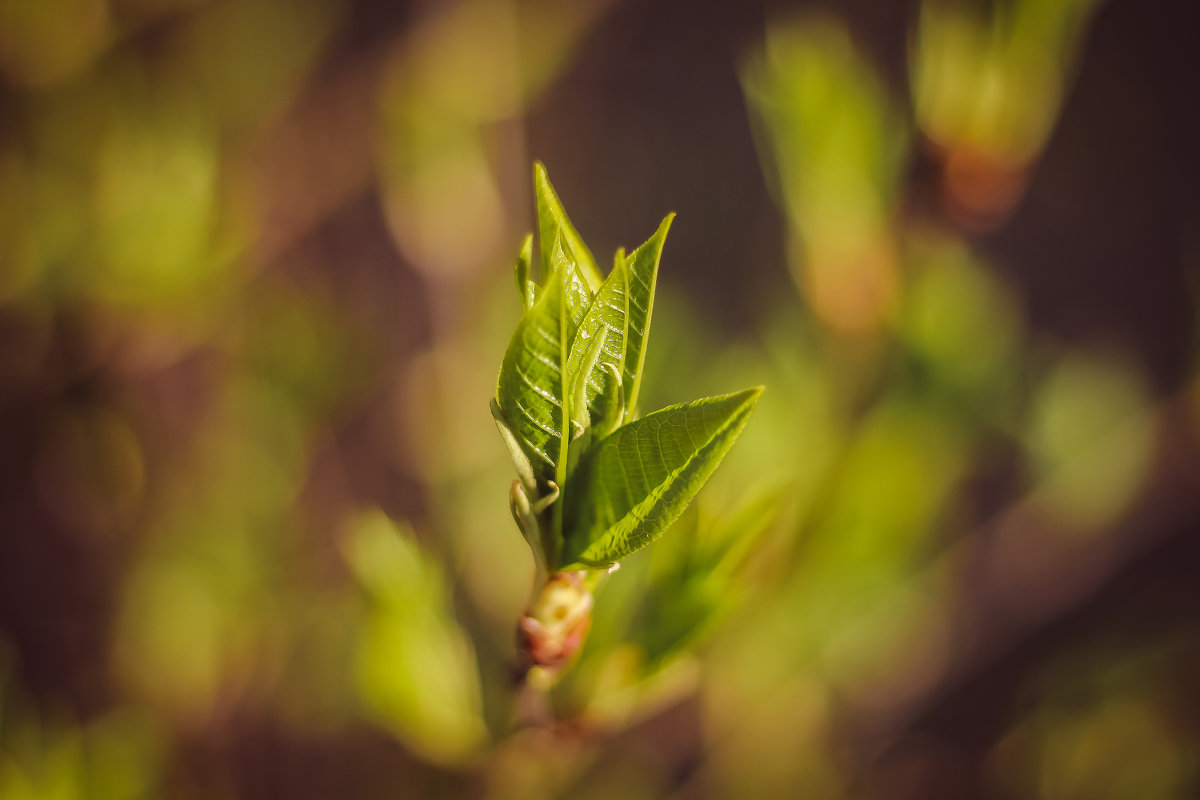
(554, 627)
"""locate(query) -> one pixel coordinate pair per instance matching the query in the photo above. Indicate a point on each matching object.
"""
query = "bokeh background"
(254, 289)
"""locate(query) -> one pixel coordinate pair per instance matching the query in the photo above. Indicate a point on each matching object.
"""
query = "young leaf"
(642, 266)
(531, 391)
(580, 369)
(610, 405)
(608, 311)
(638, 480)
(553, 223)
(516, 450)
(623, 303)
(526, 288)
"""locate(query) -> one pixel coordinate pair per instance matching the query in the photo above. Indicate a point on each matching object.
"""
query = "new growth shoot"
(596, 482)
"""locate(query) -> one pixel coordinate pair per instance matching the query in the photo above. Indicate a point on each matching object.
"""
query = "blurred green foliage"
(415, 666)
(254, 286)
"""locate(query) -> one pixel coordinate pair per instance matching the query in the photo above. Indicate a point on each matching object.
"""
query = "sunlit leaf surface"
(553, 223)
(641, 477)
(608, 317)
(531, 389)
(642, 267)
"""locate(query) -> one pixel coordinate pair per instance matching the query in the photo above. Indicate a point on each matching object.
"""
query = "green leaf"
(609, 311)
(531, 392)
(580, 369)
(638, 480)
(516, 450)
(610, 406)
(526, 288)
(407, 635)
(642, 266)
(623, 304)
(553, 223)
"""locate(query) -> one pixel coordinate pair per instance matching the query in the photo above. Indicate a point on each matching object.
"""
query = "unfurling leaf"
(623, 305)
(554, 223)
(588, 348)
(532, 392)
(606, 318)
(638, 480)
(595, 483)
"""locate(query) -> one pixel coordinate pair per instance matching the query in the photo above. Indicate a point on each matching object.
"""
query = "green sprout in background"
(596, 483)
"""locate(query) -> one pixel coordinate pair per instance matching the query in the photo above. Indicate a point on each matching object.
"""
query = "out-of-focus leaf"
(693, 580)
(834, 151)
(1091, 438)
(992, 81)
(415, 666)
(532, 390)
(960, 319)
(553, 223)
(639, 479)
(115, 757)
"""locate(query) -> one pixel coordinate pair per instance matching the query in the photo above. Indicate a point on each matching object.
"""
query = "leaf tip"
(748, 397)
(541, 178)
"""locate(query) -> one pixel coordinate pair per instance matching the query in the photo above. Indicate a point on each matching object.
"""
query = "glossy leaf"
(531, 391)
(623, 304)
(581, 367)
(609, 310)
(553, 224)
(642, 266)
(638, 480)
